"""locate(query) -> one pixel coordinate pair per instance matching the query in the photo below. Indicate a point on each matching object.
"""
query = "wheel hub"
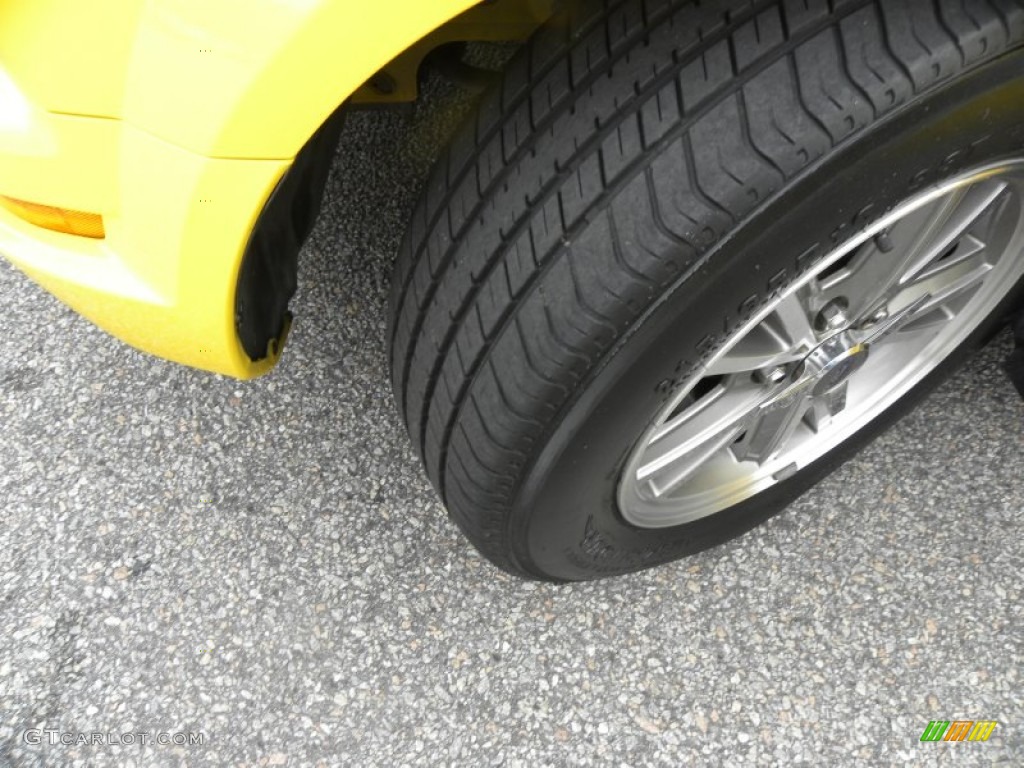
(834, 351)
(834, 361)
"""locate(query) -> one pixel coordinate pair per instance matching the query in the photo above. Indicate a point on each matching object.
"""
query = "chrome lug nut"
(832, 316)
(883, 241)
(774, 375)
(876, 317)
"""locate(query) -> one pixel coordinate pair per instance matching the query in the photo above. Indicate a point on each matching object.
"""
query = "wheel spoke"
(944, 286)
(893, 323)
(791, 320)
(956, 289)
(772, 427)
(690, 409)
(916, 242)
(954, 220)
(675, 474)
(747, 358)
(683, 438)
(784, 336)
(826, 407)
(874, 270)
(968, 249)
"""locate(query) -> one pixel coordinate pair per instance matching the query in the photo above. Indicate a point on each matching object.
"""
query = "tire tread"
(638, 133)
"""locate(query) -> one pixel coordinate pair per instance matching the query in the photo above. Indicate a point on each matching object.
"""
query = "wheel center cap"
(834, 361)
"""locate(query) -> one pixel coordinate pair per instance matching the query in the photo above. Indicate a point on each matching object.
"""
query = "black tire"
(646, 175)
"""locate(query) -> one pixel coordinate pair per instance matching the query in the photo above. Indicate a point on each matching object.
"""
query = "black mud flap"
(267, 279)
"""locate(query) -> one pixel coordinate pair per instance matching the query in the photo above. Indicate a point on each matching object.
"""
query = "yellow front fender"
(173, 120)
(255, 78)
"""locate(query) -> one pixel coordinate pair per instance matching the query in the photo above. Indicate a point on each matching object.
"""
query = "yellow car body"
(166, 125)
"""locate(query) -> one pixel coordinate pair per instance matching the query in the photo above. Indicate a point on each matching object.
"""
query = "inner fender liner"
(267, 278)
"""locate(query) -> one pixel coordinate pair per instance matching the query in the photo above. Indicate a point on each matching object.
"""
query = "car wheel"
(685, 259)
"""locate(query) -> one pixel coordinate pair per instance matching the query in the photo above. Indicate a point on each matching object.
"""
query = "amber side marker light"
(58, 219)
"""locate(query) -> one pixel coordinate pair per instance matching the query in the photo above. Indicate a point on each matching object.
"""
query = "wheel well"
(268, 274)
(267, 278)
(490, 21)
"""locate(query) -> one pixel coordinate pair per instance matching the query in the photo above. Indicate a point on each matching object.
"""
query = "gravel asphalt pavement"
(264, 566)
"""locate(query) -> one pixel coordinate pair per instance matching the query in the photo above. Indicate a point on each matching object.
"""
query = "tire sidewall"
(565, 523)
